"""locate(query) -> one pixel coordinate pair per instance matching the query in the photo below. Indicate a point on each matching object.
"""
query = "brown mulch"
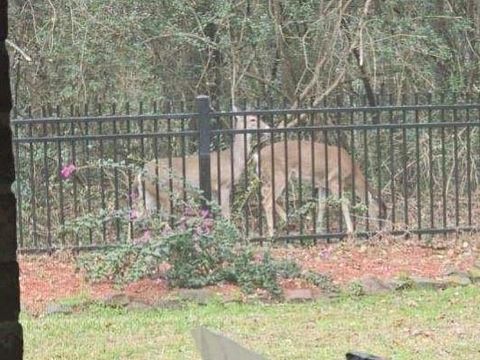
(385, 260)
(48, 278)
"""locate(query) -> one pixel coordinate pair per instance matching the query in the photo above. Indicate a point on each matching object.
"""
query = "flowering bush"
(67, 171)
(133, 215)
(201, 248)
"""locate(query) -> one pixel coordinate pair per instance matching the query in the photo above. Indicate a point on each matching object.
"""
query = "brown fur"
(221, 182)
(298, 157)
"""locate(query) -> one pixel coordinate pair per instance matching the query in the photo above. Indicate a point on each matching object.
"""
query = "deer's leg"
(165, 204)
(267, 207)
(281, 211)
(322, 197)
(225, 205)
(334, 189)
(346, 215)
(269, 202)
(150, 203)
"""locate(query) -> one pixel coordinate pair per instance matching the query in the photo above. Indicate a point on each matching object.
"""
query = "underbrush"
(200, 249)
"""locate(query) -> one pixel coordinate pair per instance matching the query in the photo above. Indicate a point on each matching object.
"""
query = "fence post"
(203, 108)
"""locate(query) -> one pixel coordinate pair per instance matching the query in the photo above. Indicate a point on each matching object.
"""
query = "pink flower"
(133, 215)
(205, 213)
(67, 171)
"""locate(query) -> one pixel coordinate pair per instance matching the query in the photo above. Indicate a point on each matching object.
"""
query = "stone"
(170, 304)
(449, 269)
(116, 300)
(138, 305)
(199, 296)
(398, 284)
(458, 278)
(233, 297)
(474, 274)
(298, 295)
(371, 285)
(420, 282)
(56, 308)
(325, 294)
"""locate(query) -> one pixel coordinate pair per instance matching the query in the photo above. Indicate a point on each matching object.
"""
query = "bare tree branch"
(19, 50)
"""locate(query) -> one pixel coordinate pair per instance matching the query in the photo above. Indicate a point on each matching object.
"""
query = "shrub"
(201, 249)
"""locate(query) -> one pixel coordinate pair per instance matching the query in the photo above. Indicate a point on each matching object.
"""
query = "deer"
(331, 165)
(157, 174)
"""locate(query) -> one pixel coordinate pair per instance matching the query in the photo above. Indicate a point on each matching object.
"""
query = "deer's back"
(306, 157)
(179, 167)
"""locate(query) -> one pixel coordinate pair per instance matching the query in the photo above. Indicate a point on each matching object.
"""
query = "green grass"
(407, 325)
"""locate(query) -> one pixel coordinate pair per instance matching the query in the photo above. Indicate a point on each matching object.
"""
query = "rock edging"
(367, 285)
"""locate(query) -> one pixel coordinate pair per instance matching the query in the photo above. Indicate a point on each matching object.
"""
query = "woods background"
(294, 51)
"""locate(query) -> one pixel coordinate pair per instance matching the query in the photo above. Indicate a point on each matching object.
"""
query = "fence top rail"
(66, 138)
(349, 127)
(353, 109)
(103, 118)
(180, 116)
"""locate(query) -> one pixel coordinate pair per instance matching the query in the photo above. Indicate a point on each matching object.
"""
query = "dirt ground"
(48, 278)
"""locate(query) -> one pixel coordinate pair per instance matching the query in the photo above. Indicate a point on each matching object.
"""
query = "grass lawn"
(407, 325)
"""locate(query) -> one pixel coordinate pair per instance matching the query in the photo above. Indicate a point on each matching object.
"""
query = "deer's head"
(248, 121)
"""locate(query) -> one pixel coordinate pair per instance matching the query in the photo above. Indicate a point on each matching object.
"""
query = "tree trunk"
(11, 337)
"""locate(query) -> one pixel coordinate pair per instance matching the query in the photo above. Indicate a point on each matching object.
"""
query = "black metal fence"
(76, 174)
